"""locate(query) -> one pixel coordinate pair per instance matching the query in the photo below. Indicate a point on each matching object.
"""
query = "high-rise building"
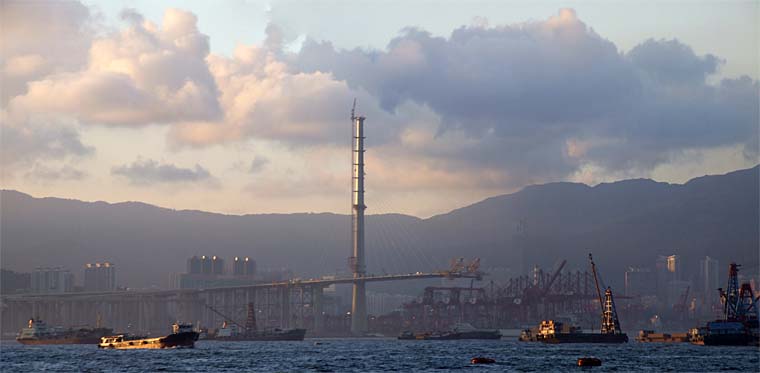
(243, 267)
(217, 265)
(194, 265)
(674, 267)
(52, 280)
(709, 281)
(99, 277)
(206, 265)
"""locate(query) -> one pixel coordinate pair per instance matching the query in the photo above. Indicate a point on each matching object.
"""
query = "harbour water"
(378, 355)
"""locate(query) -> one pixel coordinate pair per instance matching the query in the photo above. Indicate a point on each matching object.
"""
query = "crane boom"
(554, 278)
(227, 318)
(596, 281)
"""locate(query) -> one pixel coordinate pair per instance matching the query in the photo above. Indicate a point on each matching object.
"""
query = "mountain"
(623, 223)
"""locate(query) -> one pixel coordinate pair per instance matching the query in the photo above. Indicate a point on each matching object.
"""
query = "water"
(379, 355)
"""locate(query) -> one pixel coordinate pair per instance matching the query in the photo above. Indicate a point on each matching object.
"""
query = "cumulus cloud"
(489, 106)
(258, 164)
(40, 38)
(148, 172)
(141, 75)
(522, 98)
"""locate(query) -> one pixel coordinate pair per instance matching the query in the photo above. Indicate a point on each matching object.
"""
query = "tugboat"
(550, 331)
(739, 326)
(249, 331)
(38, 333)
(183, 336)
(458, 331)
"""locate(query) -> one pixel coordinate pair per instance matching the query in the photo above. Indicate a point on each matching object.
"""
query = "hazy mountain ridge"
(624, 223)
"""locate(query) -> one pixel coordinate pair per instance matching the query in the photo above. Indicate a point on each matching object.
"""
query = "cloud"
(513, 98)
(148, 172)
(258, 164)
(487, 106)
(49, 174)
(22, 144)
(40, 38)
(141, 75)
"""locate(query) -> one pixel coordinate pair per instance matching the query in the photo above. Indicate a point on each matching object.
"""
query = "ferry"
(183, 336)
(38, 332)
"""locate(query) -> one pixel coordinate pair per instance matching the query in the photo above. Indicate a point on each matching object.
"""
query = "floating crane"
(610, 322)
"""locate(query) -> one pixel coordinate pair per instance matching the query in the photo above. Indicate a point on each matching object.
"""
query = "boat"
(233, 331)
(551, 331)
(183, 336)
(739, 325)
(458, 331)
(650, 336)
(723, 333)
(38, 332)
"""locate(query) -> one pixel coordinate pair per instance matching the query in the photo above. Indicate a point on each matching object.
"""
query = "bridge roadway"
(291, 303)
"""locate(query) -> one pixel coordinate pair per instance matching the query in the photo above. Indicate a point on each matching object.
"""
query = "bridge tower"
(359, 296)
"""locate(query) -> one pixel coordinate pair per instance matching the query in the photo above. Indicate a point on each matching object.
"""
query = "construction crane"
(610, 321)
(226, 318)
(548, 286)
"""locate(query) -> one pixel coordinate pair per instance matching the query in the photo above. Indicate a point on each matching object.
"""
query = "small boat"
(589, 362)
(482, 360)
(183, 336)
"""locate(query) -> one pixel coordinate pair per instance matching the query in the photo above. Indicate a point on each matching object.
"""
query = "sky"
(243, 107)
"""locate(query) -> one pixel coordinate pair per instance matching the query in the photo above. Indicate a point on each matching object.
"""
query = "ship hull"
(452, 336)
(727, 340)
(61, 341)
(288, 335)
(585, 338)
(179, 340)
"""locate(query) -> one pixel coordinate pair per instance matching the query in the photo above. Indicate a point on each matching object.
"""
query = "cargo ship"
(39, 333)
(550, 331)
(458, 331)
(233, 331)
(650, 336)
(739, 325)
(183, 336)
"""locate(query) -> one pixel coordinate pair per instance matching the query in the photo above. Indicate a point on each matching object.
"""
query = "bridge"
(292, 303)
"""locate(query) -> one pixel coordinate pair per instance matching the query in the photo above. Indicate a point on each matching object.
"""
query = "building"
(99, 277)
(640, 281)
(674, 267)
(709, 281)
(206, 265)
(217, 265)
(210, 272)
(194, 265)
(243, 267)
(52, 280)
